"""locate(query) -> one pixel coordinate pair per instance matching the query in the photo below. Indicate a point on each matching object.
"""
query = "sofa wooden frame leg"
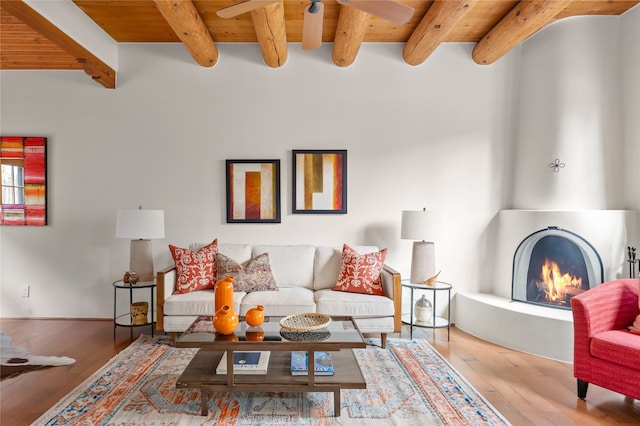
(582, 389)
(383, 340)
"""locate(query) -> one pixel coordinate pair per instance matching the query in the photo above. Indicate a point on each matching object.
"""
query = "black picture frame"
(253, 176)
(319, 181)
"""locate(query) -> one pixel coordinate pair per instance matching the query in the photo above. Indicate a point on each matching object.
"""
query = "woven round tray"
(305, 322)
(305, 336)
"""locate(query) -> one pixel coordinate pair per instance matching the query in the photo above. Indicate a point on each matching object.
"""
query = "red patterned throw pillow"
(256, 275)
(196, 269)
(360, 273)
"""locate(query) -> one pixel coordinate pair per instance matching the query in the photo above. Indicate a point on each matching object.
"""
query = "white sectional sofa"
(304, 274)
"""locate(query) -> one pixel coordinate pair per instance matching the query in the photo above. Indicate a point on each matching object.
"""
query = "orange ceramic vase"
(223, 292)
(225, 321)
(255, 316)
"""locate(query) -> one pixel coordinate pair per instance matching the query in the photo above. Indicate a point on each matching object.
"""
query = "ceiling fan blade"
(244, 7)
(385, 9)
(312, 26)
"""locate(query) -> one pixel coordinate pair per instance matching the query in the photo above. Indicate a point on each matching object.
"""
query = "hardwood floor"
(526, 389)
(25, 397)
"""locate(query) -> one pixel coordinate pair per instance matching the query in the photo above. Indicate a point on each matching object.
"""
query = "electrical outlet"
(25, 290)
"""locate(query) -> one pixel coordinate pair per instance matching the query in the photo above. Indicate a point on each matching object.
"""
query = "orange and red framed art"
(23, 161)
(253, 191)
(320, 181)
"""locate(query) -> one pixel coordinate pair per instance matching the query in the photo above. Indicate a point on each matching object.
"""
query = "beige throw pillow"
(256, 275)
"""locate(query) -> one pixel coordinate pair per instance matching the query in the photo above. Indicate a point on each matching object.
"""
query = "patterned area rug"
(408, 383)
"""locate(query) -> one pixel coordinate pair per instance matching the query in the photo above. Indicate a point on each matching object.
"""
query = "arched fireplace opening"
(552, 265)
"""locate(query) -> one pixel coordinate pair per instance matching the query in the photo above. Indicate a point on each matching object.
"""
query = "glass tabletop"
(201, 333)
(439, 285)
(140, 284)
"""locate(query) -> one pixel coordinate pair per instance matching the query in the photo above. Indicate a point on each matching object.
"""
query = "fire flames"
(556, 286)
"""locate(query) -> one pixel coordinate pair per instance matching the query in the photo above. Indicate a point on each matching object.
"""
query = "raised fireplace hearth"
(492, 314)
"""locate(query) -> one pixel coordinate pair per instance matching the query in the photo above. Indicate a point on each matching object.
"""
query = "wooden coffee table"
(339, 338)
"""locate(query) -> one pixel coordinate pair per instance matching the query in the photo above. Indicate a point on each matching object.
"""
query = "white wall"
(429, 136)
(631, 100)
(438, 136)
(570, 109)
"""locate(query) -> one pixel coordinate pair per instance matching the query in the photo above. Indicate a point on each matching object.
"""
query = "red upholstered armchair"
(605, 352)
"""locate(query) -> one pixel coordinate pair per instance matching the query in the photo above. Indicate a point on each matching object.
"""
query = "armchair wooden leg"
(383, 340)
(582, 389)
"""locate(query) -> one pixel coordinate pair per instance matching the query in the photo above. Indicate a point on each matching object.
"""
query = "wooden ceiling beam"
(350, 31)
(91, 64)
(271, 32)
(434, 28)
(183, 18)
(522, 21)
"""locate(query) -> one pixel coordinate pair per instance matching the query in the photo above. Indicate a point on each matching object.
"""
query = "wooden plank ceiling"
(29, 42)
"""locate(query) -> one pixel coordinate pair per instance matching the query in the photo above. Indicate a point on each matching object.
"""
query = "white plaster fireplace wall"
(570, 109)
(630, 36)
(544, 331)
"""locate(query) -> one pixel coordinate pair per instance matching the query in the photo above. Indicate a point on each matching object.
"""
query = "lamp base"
(141, 260)
(423, 261)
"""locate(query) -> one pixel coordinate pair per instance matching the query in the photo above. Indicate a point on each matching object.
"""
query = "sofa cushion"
(286, 301)
(327, 263)
(341, 303)
(254, 276)
(241, 253)
(360, 273)
(292, 265)
(196, 303)
(196, 268)
(617, 346)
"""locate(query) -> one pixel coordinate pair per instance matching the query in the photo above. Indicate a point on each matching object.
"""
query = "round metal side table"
(436, 321)
(124, 320)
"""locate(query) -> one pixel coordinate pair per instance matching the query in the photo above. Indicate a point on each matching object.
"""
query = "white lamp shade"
(140, 224)
(417, 225)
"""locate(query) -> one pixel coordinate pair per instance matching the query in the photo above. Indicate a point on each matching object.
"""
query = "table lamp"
(418, 226)
(140, 226)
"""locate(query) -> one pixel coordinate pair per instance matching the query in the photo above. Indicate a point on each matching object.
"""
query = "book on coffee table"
(323, 365)
(251, 362)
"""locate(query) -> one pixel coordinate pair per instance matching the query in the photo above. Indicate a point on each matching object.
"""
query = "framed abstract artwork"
(253, 191)
(320, 181)
(23, 162)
